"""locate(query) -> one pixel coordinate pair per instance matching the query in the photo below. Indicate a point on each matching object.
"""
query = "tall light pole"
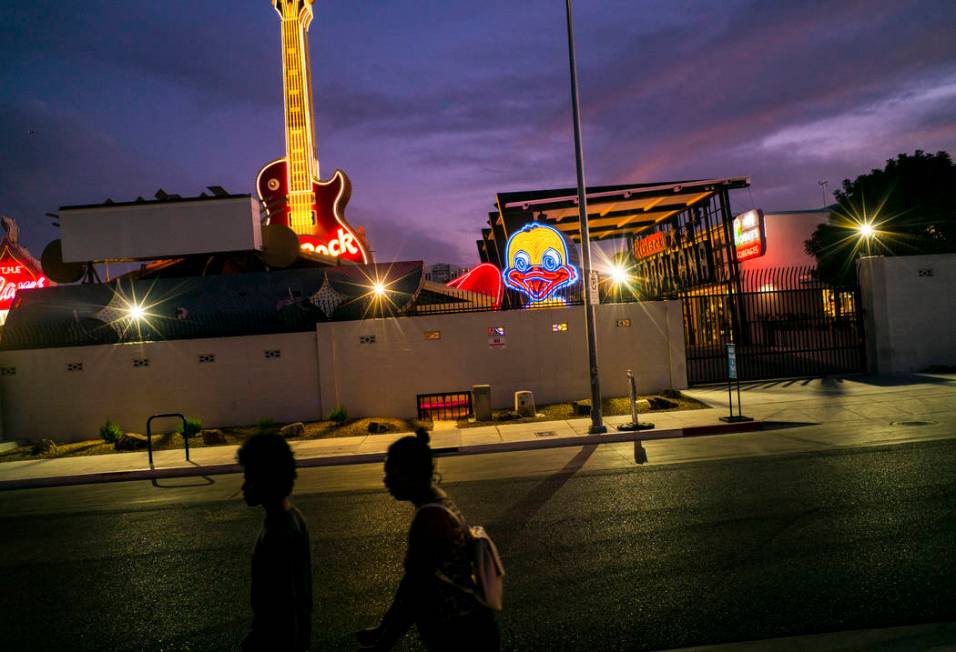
(597, 423)
(823, 188)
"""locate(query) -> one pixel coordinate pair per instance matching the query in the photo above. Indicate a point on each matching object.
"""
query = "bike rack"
(149, 433)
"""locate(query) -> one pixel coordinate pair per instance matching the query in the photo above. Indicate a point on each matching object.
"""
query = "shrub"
(193, 427)
(44, 447)
(266, 425)
(339, 414)
(110, 431)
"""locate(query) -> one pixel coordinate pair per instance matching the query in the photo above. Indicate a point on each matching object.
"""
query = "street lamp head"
(866, 230)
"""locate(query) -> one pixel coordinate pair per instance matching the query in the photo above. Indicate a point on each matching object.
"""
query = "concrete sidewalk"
(357, 450)
(848, 401)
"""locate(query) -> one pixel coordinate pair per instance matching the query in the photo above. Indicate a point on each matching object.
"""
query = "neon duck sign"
(538, 263)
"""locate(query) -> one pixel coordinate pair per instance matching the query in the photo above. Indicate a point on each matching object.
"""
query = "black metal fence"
(450, 300)
(784, 321)
(444, 406)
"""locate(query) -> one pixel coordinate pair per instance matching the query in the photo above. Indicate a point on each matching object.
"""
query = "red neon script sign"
(16, 275)
(344, 244)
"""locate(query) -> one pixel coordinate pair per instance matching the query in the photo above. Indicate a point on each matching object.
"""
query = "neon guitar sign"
(290, 187)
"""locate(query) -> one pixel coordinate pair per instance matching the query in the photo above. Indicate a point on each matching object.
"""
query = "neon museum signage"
(14, 276)
(750, 238)
(538, 264)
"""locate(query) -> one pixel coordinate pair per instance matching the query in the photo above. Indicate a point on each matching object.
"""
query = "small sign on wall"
(496, 337)
(432, 335)
(559, 328)
(623, 323)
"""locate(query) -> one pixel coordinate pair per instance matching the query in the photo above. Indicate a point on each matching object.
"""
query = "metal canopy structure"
(613, 211)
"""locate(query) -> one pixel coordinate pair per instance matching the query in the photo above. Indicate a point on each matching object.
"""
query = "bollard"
(524, 403)
(481, 402)
(635, 424)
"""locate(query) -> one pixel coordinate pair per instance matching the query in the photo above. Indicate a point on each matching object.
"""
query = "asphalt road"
(601, 553)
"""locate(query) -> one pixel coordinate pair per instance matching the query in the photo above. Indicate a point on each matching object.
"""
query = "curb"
(371, 458)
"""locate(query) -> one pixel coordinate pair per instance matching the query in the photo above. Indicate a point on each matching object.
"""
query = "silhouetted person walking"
(281, 560)
(436, 591)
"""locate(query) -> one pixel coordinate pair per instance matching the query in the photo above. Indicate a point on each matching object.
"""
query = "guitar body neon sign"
(291, 189)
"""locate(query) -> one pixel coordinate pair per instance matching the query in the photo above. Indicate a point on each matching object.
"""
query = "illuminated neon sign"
(290, 187)
(652, 244)
(538, 263)
(750, 238)
(484, 279)
(17, 272)
(344, 243)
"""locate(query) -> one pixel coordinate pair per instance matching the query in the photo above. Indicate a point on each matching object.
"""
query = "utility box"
(524, 403)
(481, 402)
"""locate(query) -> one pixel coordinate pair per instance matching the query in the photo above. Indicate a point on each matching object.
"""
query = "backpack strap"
(459, 520)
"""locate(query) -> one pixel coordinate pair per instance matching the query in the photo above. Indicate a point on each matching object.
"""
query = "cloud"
(214, 54)
(52, 158)
(891, 123)
(396, 237)
(433, 119)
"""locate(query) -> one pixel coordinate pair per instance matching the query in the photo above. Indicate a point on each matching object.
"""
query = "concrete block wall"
(44, 394)
(909, 305)
(384, 376)
(42, 397)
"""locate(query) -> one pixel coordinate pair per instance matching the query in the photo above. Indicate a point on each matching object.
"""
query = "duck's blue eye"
(522, 261)
(550, 260)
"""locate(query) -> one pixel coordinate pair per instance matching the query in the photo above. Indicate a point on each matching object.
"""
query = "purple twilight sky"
(433, 106)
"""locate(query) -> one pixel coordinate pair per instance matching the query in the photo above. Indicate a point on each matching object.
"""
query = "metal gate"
(444, 406)
(785, 323)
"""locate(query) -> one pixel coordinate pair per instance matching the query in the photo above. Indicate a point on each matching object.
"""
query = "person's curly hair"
(269, 458)
(413, 455)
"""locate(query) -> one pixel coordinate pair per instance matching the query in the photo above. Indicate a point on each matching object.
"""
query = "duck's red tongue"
(537, 286)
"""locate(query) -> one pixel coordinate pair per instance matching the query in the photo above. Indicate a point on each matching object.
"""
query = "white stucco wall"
(317, 371)
(909, 311)
(384, 377)
(43, 399)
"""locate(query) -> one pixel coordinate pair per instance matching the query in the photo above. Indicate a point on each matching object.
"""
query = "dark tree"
(910, 205)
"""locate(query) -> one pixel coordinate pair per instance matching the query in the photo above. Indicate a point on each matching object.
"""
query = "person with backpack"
(451, 589)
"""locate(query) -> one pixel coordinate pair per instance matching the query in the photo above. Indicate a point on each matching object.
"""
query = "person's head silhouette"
(409, 467)
(269, 469)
